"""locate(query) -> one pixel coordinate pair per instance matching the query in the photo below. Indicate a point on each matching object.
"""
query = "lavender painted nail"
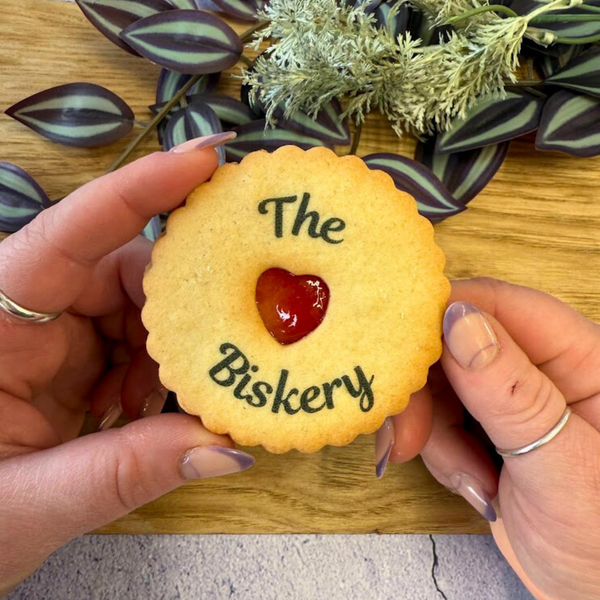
(204, 462)
(208, 141)
(154, 402)
(469, 336)
(384, 442)
(471, 489)
(110, 417)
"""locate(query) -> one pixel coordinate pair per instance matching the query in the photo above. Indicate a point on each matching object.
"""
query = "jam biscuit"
(296, 300)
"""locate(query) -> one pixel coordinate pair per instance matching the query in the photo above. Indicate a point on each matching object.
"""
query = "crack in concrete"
(434, 567)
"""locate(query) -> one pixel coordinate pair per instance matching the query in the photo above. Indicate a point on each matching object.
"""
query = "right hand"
(515, 365)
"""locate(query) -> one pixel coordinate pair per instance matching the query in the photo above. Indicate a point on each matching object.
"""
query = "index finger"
(562, 343)
(47, 264)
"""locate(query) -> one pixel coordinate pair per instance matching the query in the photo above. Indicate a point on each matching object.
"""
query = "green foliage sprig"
(323, 49)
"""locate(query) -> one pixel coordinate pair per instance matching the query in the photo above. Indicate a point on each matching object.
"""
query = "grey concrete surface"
(281, 567)
(275, 567)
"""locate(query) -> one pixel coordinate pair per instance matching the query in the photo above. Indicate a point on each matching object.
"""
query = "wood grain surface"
(536, 224)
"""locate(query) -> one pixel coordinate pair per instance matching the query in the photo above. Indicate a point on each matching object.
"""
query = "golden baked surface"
(382, 329)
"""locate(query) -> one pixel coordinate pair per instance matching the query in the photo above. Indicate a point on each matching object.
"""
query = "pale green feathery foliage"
(323, 49)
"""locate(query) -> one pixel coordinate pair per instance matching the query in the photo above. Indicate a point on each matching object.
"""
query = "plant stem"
(592, 39)
(248, 62)
(530, 73)
(164, 111)
(524, 83)
(356, 138)
(499, 8)
(247, 35)
(564, 18)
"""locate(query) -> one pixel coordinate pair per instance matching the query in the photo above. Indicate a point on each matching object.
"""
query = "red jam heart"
(291, 306)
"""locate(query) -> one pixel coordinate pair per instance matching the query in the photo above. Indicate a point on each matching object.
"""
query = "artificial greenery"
(324, 49)
(445, 70)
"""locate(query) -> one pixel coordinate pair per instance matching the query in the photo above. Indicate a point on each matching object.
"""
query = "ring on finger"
(24, 314)
(541, 441)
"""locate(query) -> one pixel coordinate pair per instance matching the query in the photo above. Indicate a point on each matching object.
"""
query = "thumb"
(513, 400)
(52, 496)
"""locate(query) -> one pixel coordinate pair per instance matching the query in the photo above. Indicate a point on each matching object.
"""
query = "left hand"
(84, 256)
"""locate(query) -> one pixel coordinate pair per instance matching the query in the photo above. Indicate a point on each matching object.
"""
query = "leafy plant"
(445, 70)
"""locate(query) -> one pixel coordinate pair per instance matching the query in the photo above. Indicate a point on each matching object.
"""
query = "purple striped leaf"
(433, 199)
(250, 98)
(570, 27)
(491, 121)
(549, 64)
(153, 230)
(244, 10)
(193, 42)
(571, 124)
(231, 112)
(582, 74)
(464, 174)
(77, 114)
(328, 126)
(369, 6)
(195, 120)
(254, 136)
(21, 198)
(110, 17)
(170, 82)
(393, 18)
(186, 4)
(252, 101)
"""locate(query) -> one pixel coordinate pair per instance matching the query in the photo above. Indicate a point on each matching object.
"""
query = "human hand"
(84, 256)
(515, 367)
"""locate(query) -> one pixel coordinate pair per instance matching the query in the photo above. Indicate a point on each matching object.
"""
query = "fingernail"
(154, 402)
(469, 336)
(472, 491)
(110, 416)
(213, 461)
(384, 441)
(208, 141)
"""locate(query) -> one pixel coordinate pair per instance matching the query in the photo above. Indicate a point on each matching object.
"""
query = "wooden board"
(536, 224)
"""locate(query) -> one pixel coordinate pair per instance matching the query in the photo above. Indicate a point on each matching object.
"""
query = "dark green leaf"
(581, 74)
(21, 198)
(186, 41)
(433, 199)
(244, 10)
(76, 114)
(571, 124)
(464, 174)
(195, 120)
(110, 17)
(491, 121)
(153, 229)
(328, 126)
(254, 136)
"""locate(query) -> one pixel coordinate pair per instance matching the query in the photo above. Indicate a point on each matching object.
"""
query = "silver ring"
(24, 314)
(543, 440)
